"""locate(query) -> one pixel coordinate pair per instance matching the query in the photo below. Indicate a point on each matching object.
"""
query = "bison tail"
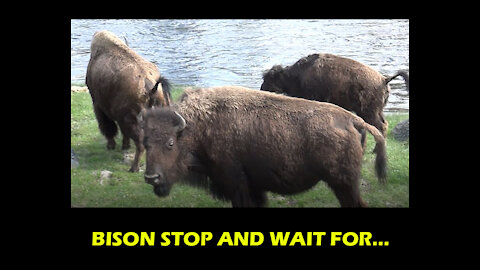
(381, 161)
(380, 150)
(165, 88)
(402, 73)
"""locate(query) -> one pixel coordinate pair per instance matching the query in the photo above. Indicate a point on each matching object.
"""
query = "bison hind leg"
(363, 139)
(347, 192)
(107, 127)
(125, 140)
(233, 183)
(377, 120)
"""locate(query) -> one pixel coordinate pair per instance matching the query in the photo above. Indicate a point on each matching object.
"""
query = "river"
(236, 52)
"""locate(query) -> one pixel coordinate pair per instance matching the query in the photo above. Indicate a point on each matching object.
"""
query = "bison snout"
(153, 179)
(161, 187)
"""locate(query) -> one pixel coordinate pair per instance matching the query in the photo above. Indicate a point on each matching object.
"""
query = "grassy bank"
(125, 189)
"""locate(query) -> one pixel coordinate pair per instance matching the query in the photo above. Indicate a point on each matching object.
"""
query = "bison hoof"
(111, 145)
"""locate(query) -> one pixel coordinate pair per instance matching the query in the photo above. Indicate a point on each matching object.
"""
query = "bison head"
(271, 79)
(161, 128)
(279, 80)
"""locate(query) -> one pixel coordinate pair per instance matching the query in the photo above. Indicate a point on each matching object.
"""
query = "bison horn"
(182, 124)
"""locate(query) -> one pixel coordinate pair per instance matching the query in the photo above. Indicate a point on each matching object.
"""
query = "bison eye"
(170, 143)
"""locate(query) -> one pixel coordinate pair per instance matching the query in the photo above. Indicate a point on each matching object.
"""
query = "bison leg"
(232, 182)
(239, 190)
(377, 120)
(138, 154)
(107, 127)
(131, 130)
(347, 193)
(363, 140)
(384, 124)
(125, 140)
(245, 198)
(259, 197)
(125, 143)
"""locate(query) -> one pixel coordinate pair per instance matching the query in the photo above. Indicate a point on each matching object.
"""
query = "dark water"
(237, 52)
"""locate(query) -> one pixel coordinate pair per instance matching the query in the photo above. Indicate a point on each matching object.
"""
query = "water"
(236, 52)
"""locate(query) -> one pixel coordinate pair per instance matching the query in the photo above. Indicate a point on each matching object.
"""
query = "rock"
(79, 89)
(104, 176)
(364, 185)
(128, 157)
(401, 131)
(74, 160)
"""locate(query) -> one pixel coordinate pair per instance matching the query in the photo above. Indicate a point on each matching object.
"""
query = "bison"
(338, 80)
(241, 143)
(121, 84)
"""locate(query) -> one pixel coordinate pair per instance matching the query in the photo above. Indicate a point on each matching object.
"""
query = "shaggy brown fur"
(121, 84)
(338, 80)
(242, 143)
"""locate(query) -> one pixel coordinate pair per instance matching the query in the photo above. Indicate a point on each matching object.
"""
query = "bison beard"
(162, 190)
(242, 143)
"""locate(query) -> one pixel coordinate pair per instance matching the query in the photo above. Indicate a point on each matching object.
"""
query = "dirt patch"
(76, 89)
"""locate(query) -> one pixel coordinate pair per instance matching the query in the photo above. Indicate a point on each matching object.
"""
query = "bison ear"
(181, 123)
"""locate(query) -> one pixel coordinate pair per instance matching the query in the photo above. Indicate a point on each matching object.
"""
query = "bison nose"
(153, 179)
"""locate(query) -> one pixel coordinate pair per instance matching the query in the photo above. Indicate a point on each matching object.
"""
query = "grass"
(125, 189)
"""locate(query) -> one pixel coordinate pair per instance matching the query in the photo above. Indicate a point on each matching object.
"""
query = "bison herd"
(241, 143)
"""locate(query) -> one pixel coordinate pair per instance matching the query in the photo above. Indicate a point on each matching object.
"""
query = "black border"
(394, 225)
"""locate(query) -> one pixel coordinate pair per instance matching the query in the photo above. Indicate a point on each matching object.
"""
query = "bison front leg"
(140, 149)
(243, 193)
(230, 181)
(246, 197)
(130, 129)
(347, 193)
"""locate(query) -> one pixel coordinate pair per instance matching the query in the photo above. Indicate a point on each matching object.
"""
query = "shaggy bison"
(121, 84)
(241, 143)
(338, 80)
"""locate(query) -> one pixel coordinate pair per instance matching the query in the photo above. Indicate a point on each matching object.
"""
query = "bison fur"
(121, 84)
(338, 80)
(241, 143)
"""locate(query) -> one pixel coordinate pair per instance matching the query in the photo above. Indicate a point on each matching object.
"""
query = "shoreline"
(79, 88)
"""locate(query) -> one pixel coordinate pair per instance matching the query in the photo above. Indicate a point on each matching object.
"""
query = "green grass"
(127, 189)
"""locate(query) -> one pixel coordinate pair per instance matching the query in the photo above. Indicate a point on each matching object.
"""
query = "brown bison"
(338, 80)
(242, 143)
(121, 84)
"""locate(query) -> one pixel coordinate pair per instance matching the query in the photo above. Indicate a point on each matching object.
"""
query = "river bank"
(177, 90)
